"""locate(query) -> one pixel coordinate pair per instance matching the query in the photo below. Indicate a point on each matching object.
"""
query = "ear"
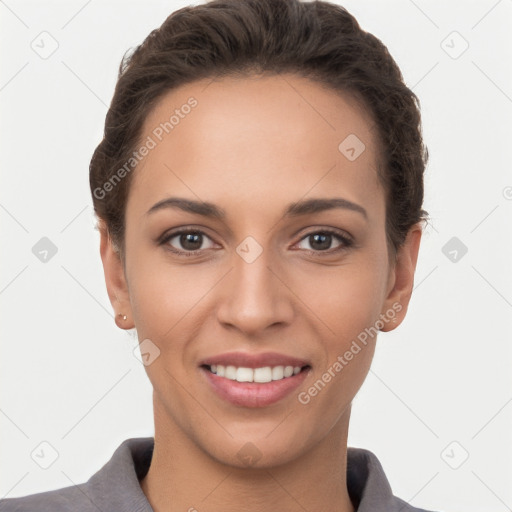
(401, 279)
(115, 279)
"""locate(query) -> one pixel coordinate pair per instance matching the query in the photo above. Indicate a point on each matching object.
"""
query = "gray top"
(115, 487)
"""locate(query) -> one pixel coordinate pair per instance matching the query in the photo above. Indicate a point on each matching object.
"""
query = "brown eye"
(188, 241)
(322, 241)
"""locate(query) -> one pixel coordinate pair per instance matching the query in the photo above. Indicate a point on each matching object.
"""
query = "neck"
(183, 477)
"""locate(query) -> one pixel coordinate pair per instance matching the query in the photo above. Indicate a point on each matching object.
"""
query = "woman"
(259, 195)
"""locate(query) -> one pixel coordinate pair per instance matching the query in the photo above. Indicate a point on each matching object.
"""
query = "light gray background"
(68, 374)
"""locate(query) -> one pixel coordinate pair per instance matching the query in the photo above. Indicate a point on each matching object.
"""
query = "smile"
(262, 374)
(254, 380)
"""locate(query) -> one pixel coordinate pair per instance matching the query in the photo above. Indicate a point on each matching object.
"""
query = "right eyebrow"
(188, 205)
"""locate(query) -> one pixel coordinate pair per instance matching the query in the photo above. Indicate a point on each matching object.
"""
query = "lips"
(254, 380)
(246, 360)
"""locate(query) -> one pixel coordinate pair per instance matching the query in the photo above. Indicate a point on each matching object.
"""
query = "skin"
(252, 146)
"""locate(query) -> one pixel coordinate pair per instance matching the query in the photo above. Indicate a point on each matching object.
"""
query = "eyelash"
(346, 242)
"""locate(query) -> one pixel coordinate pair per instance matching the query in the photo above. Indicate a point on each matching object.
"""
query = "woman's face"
(266, 277)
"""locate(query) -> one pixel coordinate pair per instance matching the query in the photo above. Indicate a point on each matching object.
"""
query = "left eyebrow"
(296, 209)
(319, 205)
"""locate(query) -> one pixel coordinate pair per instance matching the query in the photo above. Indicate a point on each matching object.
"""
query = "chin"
(258, 451)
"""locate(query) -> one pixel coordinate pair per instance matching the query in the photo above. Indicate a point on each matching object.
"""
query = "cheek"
(349, 304)
(346, 298)
(350, 348)
(166, 299)
(160, 295)
(348, 301)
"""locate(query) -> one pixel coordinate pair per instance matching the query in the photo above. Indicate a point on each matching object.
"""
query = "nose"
(255, 296)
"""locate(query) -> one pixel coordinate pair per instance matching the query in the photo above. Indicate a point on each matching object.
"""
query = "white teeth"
(230, 372)
(277, 372)
(244, 375)
(263, 374)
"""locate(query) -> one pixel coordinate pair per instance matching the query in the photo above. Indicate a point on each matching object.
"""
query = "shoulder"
(114, 487)
(58, 500)
(368, 486)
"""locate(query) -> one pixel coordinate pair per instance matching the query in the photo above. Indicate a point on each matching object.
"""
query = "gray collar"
(116, 485)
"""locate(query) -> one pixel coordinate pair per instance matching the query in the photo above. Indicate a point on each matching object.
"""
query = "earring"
(123, 317)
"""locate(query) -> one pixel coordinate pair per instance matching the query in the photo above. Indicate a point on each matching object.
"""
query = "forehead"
(256, 134)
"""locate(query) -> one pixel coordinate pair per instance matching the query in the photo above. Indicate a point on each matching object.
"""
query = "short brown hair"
(316, 40)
